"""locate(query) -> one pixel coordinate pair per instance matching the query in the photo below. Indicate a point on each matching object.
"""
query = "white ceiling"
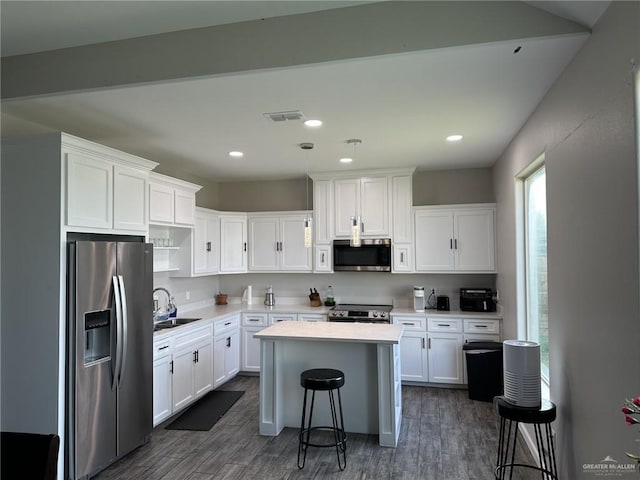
(401, 106)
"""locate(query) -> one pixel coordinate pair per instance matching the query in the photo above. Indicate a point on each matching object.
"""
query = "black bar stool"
(510, 414)
(329, 380)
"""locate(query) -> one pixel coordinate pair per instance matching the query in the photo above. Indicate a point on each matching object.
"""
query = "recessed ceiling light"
(454, 138)
(313, 123)
(346, 160)
(236, 154)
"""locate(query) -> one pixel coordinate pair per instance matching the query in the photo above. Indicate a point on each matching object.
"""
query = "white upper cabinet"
(105, 188)
(455, 238)
(323, 212)
(402, 222)
(276, 243)
(367, 197)
(171, 201)
(233, 243)
(206, 242)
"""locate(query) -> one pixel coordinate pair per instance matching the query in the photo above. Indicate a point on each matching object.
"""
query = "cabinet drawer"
(225, 325)
(482, 326)
(281, 317)
(444, 325)
(311, 317)
(412, 323)
(255, 319)
(192, 336)
(161, 348)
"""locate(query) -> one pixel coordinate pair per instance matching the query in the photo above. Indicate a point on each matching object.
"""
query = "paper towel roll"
(249, 294)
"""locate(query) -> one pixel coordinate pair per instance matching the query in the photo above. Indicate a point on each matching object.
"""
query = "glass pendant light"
(308, 221)
(354, 241)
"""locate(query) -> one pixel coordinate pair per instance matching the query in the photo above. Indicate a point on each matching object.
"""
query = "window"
(536, 285)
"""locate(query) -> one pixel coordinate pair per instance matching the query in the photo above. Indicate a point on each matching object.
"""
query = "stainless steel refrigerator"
(109, 353)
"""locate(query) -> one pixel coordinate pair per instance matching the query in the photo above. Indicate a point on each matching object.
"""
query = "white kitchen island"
(367, 353)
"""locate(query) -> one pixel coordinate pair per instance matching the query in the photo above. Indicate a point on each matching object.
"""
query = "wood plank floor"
(444, 436)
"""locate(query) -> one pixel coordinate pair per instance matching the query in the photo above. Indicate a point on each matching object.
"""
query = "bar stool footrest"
(342, 443)
(548, 474)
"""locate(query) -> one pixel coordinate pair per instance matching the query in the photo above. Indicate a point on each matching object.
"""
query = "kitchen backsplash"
(348, 287)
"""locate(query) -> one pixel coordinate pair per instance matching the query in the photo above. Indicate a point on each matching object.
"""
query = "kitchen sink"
(173, 322)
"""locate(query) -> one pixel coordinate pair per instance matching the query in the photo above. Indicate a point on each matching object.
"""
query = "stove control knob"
(375, 314)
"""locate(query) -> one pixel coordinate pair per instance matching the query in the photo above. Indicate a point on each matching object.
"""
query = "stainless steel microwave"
(373, 255)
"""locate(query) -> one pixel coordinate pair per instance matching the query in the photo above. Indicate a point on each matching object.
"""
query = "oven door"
(374, 255)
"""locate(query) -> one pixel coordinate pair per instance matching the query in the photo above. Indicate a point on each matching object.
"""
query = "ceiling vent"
(284, 116)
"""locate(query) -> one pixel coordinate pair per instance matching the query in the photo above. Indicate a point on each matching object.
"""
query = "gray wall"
(31, 252)
(585, 125)
(444, 187)
(265, 196)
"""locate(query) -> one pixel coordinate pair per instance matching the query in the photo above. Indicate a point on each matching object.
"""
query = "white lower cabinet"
(431, 347)
(252, 323)
(445, 358)
(162, 380)
(226, 361)
(192, 366)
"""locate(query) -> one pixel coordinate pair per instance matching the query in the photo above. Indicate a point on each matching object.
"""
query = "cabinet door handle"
(171, 367)
(245, 246)
(195, 357)
(162, 348)
(482, 326)
(451, 244)
(408, 323)
(228, 341)
(401, 257)
(208, 246)
(423, 342)
(322, 257)
(455, 243)
(277, 246)
(362, 227)
(429, 344)
(281, 247)
(227, 324)
(254, 319)
(444, 324)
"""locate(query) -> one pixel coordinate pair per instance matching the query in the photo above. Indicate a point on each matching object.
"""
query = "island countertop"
(333, 332)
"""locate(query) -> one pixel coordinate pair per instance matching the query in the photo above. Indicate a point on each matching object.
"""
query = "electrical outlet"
(187, 295)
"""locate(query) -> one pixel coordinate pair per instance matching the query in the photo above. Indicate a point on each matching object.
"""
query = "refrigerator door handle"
(118, 356)
(125, 327)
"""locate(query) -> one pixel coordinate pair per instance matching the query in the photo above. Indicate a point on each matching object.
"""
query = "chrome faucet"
(156, 306)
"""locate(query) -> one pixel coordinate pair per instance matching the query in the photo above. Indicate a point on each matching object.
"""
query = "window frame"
(534, 170)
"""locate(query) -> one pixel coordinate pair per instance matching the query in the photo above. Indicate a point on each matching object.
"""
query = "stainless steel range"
(360, 313)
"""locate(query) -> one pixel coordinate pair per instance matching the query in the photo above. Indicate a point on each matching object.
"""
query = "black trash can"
(484, 370)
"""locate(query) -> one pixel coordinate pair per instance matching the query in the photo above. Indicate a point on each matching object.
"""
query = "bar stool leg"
(552, 452)
(302, 443)
(338, 434)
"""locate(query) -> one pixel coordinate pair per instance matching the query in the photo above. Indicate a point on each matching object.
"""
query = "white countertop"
(333, 332)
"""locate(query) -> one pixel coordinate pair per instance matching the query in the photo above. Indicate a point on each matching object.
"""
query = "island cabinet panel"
(369, 358)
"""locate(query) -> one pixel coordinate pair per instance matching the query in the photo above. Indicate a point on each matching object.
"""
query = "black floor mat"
(204, 414)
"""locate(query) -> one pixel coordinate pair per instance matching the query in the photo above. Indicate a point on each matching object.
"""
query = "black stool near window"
(329, 380)
(510, 416)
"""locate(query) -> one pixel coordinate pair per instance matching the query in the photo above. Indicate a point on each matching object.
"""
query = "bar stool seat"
(330, 380)
(510, 416)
